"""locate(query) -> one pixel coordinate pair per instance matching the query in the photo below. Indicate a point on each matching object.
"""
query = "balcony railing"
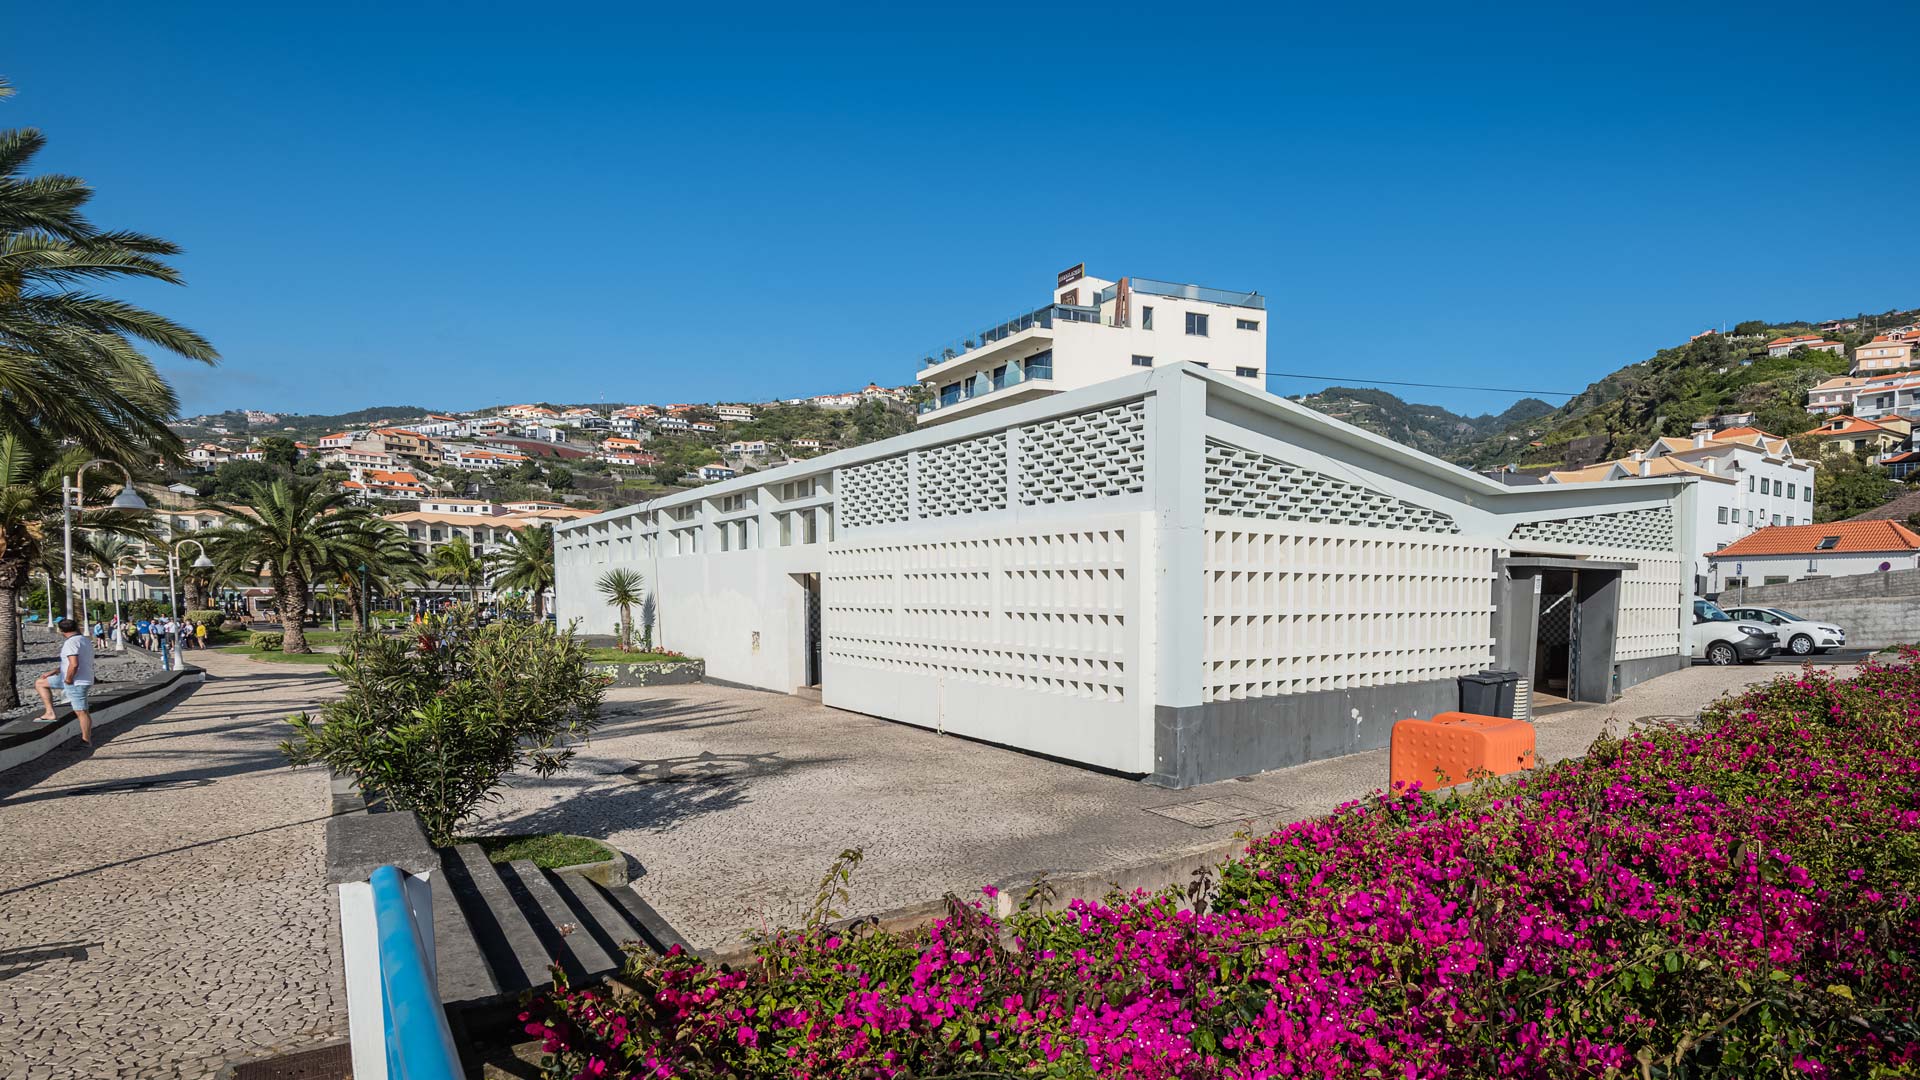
(1038, 368)
(1150, 287)
(1044, 318)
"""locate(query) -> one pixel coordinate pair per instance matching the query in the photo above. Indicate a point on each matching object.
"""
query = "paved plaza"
(163, 902)
(734, 802)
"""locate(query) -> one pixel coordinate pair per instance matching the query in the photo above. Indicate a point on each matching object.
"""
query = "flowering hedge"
(1735, 900)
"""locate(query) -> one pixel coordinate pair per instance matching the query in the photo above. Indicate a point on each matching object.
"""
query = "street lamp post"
(119, 609)
(173, 591)
(72, 501)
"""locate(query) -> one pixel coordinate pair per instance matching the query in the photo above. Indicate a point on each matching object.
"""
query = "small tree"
(435, 723)
(623, 589)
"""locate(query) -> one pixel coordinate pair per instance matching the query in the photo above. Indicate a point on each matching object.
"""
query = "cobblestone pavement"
(734, 802)
(163, 906)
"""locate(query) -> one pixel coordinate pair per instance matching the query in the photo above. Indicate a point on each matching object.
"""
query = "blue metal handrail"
(419, 1043)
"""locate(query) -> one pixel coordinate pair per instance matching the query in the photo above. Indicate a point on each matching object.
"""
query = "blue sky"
(459, 205)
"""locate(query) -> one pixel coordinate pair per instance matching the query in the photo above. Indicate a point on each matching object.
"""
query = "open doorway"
(1554, 623)
(810, 620)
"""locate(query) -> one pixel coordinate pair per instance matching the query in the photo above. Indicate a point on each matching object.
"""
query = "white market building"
(1172, 575)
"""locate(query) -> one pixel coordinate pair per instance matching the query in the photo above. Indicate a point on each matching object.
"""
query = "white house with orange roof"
(1781, 346)
(1835, 549)
(1748, 479)
(467, 458)
(1831, 396)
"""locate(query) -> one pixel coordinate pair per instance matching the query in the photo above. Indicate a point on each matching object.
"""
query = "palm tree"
(390, 560)
(623, 589)
(455, 562)
(293, 532)
(69, 368)
(526, 563)
(30, 531)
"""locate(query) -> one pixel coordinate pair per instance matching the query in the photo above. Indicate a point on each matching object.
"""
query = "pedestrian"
(74, 675)
(143, 633)
(100, 631)
(163, 637)
(200, 636)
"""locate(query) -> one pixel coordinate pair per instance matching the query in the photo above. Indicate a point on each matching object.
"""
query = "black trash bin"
(1489, 693)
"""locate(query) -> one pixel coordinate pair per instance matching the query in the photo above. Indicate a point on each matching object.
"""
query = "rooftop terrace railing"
(1034, 368)
(1150, 287)
(1042, 318)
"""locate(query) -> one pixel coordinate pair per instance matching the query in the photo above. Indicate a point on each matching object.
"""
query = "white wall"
(1756, 569)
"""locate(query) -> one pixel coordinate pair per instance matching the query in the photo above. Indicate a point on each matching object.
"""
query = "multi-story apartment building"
(1091, 331)
(737, 413)
(1875, 438)
(1883, 354)
(1833, 395)
(1748, 479)
(1886, 395)
(469, 458)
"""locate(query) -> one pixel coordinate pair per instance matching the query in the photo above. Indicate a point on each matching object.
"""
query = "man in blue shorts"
(74, 675)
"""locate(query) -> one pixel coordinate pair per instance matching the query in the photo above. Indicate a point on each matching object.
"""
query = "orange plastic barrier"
(1454, 747)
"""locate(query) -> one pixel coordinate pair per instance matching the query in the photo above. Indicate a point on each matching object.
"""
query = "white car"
(1801, 637)
(1719, 638)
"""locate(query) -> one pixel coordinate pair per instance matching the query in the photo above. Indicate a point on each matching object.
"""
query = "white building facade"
(1172, 575)
(1094, 330)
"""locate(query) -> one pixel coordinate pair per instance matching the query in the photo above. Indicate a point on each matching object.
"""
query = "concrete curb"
(112, 703)
(609, 872)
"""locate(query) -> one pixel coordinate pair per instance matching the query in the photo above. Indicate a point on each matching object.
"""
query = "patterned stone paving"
(163, 907)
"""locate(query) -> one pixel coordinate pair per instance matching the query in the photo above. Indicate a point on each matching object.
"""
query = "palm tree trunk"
(293, 612)
(10, 639)
(190, 589)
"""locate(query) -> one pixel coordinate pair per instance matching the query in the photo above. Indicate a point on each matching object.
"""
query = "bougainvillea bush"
(1735, 899)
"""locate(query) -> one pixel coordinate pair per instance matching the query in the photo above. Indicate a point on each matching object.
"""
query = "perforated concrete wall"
(1026, 635)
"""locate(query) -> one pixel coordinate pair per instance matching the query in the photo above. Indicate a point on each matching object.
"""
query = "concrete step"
(652, 929)
(595, 915)
(516, 955)
(577, 953)
(465, 975)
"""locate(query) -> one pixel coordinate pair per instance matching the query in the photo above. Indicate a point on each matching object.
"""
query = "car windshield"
(1788, 615)
(1708, 611)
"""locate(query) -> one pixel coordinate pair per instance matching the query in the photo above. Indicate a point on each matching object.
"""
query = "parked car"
(1801, 637)
(1718, 638)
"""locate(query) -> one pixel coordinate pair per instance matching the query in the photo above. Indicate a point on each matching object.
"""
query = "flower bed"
(1735, 900)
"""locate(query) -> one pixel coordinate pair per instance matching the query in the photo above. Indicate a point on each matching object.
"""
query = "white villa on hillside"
(1749, 480)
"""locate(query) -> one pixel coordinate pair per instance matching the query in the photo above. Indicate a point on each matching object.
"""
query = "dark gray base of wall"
(1634, 672)
(1198, 744)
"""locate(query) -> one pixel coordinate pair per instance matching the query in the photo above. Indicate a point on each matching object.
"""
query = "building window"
(1791, 492)
(1246, 324)
(1247, 372)
(1750, 482)
(1749, 519)
(1039, 365)
(1776, 519)
(1142, 361)
(1772, 579)
(1146, 318)
(1196, 324)
(1723, 515)
(1779, 487)
(1809, 491)
(808, 531)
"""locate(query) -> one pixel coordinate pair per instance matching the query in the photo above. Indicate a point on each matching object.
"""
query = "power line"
(1425, 385)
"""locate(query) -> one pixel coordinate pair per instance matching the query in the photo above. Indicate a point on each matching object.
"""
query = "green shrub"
(210, 619)
(264, 641)
(435, 722)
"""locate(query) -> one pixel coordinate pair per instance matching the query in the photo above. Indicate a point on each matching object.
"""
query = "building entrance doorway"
(1554, 622)
(810, 615)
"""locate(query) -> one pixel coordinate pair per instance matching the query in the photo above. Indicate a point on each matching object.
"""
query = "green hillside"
(1664, 394)
(1428, 428)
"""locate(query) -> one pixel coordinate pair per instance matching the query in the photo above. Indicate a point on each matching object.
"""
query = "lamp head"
(128, 499)
(203, 563)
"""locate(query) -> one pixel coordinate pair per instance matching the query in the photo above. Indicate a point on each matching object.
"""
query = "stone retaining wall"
(1874, 609)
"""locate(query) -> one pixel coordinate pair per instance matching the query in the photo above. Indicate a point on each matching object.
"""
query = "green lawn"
(548, 851)
(275, 656)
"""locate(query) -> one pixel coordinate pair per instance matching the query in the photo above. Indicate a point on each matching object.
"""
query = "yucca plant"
(625, 590)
